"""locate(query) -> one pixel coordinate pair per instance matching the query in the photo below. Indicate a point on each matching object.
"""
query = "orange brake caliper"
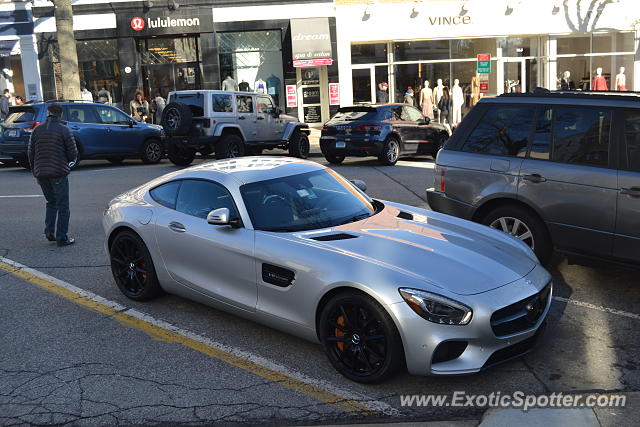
(339, 333)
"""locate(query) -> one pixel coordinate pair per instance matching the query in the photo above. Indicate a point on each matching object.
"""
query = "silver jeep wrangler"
(229, 124)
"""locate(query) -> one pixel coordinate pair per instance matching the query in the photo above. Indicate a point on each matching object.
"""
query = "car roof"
(584, 98)
(250, 169)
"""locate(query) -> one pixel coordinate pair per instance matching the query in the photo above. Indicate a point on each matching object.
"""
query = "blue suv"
(101, 132)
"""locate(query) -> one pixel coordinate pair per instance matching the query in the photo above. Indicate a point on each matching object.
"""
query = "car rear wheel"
(230, 146)
(151, 152)
(523, 225)
(299, 145)
(333, 158)
(181, 156)
(359, 338)
(116, 160)
(390, 152)
(132, 267)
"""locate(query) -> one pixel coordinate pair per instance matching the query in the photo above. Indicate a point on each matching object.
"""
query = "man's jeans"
(56, 191)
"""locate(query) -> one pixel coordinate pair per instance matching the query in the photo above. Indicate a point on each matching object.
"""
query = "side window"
(504, 130)
(81, 114)
(396, 114)
(541, 144)
(198, 198)
(411, 114)
(265, 105)
(221, 103)
(632, 140)
(244, 104)
(581, 136)
(111, 116)
(166, 194)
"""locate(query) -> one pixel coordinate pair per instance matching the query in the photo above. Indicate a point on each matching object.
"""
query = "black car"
(384, 131)
(101, 132)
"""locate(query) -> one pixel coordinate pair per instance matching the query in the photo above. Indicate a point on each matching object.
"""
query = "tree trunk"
(68, 52)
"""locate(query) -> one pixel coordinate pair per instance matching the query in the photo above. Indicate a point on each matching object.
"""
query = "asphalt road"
(62, 361)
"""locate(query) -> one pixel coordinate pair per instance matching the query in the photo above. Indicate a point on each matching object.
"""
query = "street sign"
(484, 63)
(484, 83)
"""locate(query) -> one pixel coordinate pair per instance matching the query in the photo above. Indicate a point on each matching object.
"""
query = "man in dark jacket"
(4, 104)
(52, 153)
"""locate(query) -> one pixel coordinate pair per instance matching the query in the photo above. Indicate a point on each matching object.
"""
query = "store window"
(421, 50)
(469, 48)
(518, 46)
(369, 53)
(252, 61)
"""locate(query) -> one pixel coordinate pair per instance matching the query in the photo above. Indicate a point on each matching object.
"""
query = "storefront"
(160, 49)
(531, 44)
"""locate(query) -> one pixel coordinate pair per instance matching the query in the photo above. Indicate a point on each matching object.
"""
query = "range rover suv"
(555, 169)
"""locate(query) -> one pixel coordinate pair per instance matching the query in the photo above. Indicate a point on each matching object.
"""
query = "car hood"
(457, 255)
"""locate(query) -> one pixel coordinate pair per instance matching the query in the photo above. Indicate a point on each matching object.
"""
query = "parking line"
(599, 308)
(320, 390)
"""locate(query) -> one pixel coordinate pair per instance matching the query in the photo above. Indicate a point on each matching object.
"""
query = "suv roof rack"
(597, 94)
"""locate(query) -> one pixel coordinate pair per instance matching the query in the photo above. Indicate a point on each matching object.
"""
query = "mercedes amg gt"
(294, 245)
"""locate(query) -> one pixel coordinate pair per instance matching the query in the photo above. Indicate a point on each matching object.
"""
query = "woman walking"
(139, 107)
(445, 105)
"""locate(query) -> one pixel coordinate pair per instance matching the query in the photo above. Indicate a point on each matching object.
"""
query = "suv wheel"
(229, 146)
(151, 151)
(299, 145)
(390, 152)
(333, 158)
(524, 225)
(181, 156)
(176, 118)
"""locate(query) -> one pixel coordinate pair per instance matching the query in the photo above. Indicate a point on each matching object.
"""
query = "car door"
(215, 260)
(405, 127)
(86, 127)
(269, 126)
(123, 133)
(568, 177)
(413, 131)
(626, 243)
(247, 119)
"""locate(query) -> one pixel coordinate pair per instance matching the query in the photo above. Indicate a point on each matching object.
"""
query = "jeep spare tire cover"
(176, 118)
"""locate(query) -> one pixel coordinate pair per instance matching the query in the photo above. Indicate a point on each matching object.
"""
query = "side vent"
(405, 215)
(331, 237)
(277, 276)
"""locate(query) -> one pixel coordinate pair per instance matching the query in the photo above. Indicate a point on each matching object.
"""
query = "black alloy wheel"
(299, 145)
(360, 339)
(181, 156)
(390, 152)
(229, 147)
(152, 152)
(132, 267)
(333, 158)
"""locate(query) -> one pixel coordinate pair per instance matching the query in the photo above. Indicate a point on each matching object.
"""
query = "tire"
(176, 119)
(229, 146)
(390, 152)
(151, 152)
(116, 160)
(299, 145)
(24, 163)
(132, 267)
(333, 158)
(540, 241)
(181, 156)
(354, 327)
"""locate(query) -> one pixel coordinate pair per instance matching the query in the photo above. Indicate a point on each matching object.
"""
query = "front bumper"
(15, 150)
(354, 146)
(439, 202)
(483, 349)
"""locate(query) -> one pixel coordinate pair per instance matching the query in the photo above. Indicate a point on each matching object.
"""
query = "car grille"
(522, 315)
(515, 350)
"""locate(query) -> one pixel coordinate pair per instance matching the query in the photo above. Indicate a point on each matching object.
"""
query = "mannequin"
(104, 96)
(426, 95)
(457, 98)
(437, 94)
(621, 80)
(261, 86)
(566, 83)
(599, 82)
(244, 86)
(229, 83)
(475, 90)
(273, 87)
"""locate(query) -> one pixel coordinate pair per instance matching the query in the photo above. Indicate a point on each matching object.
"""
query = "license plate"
(341, 144)
(12, 133)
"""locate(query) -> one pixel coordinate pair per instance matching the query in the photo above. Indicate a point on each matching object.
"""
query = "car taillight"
(442, 173)
(32, 126)
(365, 128)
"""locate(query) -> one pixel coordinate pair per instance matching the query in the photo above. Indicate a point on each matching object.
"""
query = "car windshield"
(306, 201)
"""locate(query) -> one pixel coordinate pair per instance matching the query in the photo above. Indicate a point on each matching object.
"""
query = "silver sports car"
(294, 245)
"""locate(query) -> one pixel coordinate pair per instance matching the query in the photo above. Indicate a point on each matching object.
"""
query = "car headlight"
(436, 308)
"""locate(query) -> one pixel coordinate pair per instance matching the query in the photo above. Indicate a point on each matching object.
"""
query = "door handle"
(534, 177)
(633, 191)
(241, 118)
(177, 227)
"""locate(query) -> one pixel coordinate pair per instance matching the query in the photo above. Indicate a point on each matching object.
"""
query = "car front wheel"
(299, 145)
(151, 152)
(132, 267)
(359, 338)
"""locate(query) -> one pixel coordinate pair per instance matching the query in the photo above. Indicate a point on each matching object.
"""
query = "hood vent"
(331, 237)
(405, 215)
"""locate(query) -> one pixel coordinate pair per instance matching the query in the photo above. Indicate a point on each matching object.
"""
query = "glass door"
(514, 76)
(363, 85)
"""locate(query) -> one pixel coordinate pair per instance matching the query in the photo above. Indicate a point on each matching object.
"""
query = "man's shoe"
(69, 241)
(50, 237)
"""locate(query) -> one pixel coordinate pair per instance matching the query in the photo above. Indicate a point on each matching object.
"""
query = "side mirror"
(360, 184)
(222, 216)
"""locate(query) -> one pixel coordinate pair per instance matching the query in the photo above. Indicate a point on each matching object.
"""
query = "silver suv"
(229, 124)
(555, 169)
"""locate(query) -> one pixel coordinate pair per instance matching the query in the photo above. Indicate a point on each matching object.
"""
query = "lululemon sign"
(137, 24)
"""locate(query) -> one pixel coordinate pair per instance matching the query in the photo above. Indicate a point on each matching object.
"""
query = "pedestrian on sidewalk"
(139, 107)
(408, 97)
(157, 107)
(52, 153)
(382, 96)
(4, 105)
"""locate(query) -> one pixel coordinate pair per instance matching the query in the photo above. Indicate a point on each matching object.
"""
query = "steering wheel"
(272, 198)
